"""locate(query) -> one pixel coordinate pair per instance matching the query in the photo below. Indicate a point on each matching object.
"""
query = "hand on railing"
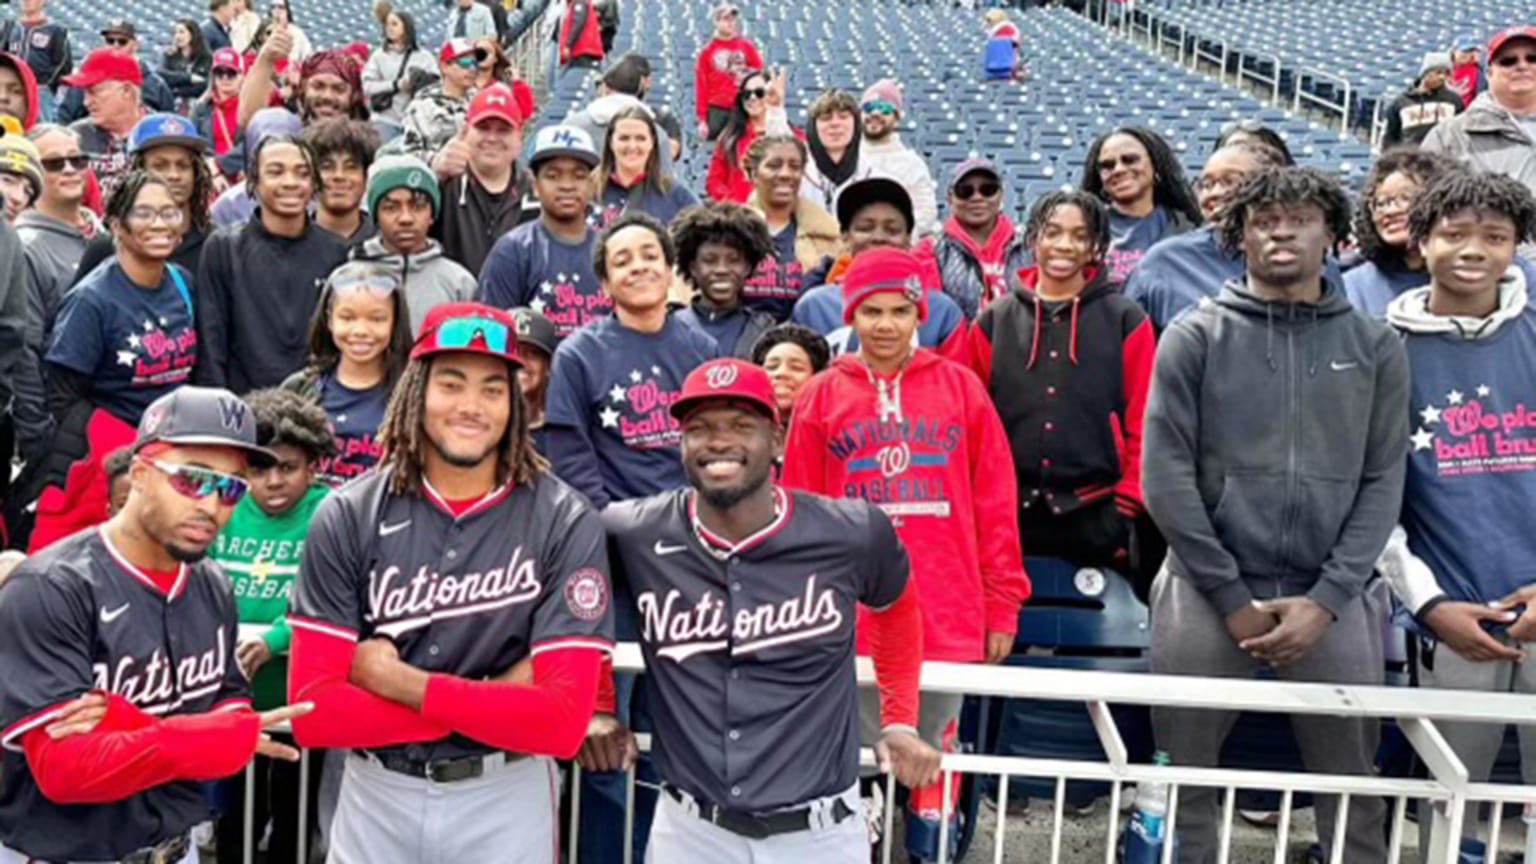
(914, 761)
(610, 746)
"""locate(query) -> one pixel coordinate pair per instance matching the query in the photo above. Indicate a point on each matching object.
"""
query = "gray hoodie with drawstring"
(1275, 447)
(430, 278)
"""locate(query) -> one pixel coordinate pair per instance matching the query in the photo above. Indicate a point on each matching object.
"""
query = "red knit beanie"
(884, 269)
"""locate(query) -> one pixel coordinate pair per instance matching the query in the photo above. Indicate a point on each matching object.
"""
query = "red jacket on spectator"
(937, 462)
(717, 75)
(580, 34)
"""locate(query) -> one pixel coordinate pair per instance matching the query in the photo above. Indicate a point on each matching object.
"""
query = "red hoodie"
(581, 36)
(939, 465)
(718, 73)
(28, 83)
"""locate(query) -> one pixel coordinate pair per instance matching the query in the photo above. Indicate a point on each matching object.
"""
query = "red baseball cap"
(228, 58)
(453, 49)
(723, 380)
(496, 100)
(1504, 36)
(106, 64)
(471, 328)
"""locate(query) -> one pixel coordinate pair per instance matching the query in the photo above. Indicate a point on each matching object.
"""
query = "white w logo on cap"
(721, 376)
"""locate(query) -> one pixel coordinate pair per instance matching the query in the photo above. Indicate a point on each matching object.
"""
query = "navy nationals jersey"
(750, 646)
(78, 617)
(523, 570)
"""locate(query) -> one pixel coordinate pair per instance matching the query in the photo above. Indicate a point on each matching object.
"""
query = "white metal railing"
(1343, 106)
(1416, 711)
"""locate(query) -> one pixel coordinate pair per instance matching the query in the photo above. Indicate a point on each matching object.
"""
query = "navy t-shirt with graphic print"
(1129, 240)
(355, 416)
(135, 344)
(775, 285)
(532, 267)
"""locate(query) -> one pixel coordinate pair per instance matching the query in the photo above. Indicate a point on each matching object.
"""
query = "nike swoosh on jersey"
(663, 549)
(108, 616)
(1340, 367)
(386, 529)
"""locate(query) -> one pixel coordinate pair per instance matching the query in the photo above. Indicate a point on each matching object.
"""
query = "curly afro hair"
(1285, 186)
(1462, 189)
(285, 417)
(1420, 166)
(732, 225)
(1095, 214)
(1169, 188)
(814, 345)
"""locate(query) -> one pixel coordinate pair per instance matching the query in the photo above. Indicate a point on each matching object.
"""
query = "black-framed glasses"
(145, 215)
(198, 483)
(984, 189)
(55, 164)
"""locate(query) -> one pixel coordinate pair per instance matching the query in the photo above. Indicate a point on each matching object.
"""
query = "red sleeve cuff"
(1003, 617)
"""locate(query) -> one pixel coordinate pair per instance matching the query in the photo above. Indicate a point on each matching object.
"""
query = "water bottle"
(1147, 831)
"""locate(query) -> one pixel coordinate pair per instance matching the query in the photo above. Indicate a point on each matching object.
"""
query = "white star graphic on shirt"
(148, 325)
(1483, 391)
(634, 375)
(575, 277)
(560, 277)
(134, 341)
(546, 288)
(341, 419)
(125, 358)
(1422, 439)
(610, 418)
(163, 322)
(1431, 414)
(655, 370)
(617, 393)
(1454, 397)
(537, 305)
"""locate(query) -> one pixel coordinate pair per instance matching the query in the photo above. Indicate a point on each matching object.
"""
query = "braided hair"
(1169, 188)
(1095, 216)
(403, 434)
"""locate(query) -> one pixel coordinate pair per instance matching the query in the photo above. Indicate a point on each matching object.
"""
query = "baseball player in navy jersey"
(122, 695)
(423, 587)
(747, 594)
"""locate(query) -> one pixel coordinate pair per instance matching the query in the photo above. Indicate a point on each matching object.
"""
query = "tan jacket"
(817, 236)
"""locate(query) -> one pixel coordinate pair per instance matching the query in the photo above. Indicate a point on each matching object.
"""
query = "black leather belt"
(441, 770)
(168, 852)
(754, 826)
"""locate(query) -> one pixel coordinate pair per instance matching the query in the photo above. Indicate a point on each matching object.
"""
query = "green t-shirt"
(260, 554)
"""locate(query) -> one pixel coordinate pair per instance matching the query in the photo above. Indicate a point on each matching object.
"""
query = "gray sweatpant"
(505, 816)
(1189, 637)
(1477, 744)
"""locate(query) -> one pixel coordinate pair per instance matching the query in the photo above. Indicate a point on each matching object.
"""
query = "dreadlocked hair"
(202, 190)
(1462, 189)
(1095, 216)
(403, 435)
(733, 225)
(285, 417)
(1420, 166)
(1284, 186)
(1170, 190)
(126, 195)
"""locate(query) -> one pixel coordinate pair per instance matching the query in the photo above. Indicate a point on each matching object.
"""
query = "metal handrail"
(1305, 72)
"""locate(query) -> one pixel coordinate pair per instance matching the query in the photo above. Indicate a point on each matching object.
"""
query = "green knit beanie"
(389, 173)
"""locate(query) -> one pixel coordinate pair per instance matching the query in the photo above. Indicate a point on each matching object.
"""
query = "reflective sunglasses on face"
(55, 164)
(171, 216)
(468, 61)
(984, 189)
(459, 333)
(885, 108)
(199, 483)
(1510, 61)
(1126, 160)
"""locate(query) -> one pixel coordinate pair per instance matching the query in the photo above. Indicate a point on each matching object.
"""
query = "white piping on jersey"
(135, 572)
(323, 628)
(27, 724)
(722, 548)
(578, 642)
(486, 500)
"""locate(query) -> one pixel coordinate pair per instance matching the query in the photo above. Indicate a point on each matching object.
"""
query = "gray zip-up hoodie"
(430, 278)
(1275, 447)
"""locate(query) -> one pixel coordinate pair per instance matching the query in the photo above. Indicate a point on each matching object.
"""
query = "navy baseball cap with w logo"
(202, 417)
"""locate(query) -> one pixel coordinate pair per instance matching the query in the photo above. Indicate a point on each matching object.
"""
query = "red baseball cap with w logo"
(470, 328)
(725, 380)
(497, 101)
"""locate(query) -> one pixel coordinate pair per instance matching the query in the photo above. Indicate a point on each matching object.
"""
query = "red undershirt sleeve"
(345, 715)
(607, 695)
(548, 718)
(130, 752)
(896, 640)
